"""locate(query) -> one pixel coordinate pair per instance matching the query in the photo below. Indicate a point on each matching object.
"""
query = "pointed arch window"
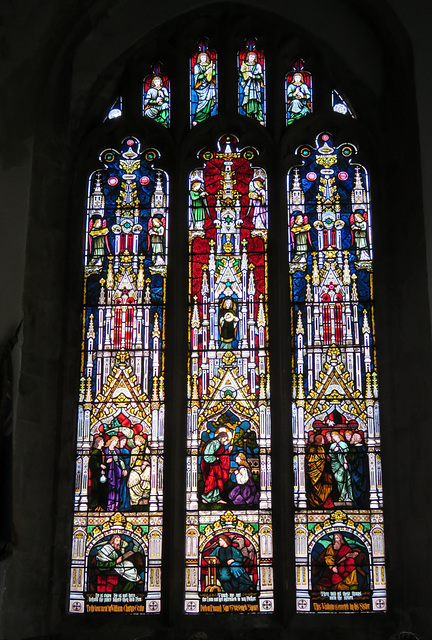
(119, 508)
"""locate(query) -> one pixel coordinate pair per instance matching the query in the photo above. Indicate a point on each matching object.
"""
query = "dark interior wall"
(60, 76)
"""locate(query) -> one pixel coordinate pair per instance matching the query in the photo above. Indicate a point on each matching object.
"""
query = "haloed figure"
(338, 451)
(300, 228)
(257, 198)
(198, 204)
(140, 473)
(98, 241)
(319, 476)
(116, 468)
(156, 237)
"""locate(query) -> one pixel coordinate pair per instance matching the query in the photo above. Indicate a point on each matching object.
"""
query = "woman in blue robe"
(231, 573)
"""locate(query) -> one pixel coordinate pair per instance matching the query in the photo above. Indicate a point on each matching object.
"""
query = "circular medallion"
(112, 181)
(144, 180)
(311, 176)
(342, 175)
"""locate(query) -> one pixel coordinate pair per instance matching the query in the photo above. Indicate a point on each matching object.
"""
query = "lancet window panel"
(203, 73)
(157, 97)
(121, 410)
(252, 82)
(336, 434)
(298, 93)
(228, 502)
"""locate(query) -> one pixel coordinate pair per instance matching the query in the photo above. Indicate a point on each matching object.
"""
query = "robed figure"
(252, 83)
(156, 101)
(358, 463)
(231, 572)
(204, 87)
(319, 477)
(215, 466)
(245, 491)
(228, 321)
(339, 565)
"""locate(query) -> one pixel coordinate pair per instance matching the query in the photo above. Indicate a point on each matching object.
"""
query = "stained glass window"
(117, 531)
(203, 84)
(251, 86)
(228, 502)
(339, 547)
(298, 93)
(157, 97)
(339, 535)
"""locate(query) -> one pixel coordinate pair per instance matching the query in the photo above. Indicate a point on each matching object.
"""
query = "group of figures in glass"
(117, 540)
(204, 88)
(337, 467)
(119, 470)
(229, 465)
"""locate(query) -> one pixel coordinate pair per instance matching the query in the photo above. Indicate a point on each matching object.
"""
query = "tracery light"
(298, 93)
(203, 83)
(116, 109)
(251, 85)
(157, 97)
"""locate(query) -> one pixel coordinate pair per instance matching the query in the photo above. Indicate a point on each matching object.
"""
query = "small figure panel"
(251, 87)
